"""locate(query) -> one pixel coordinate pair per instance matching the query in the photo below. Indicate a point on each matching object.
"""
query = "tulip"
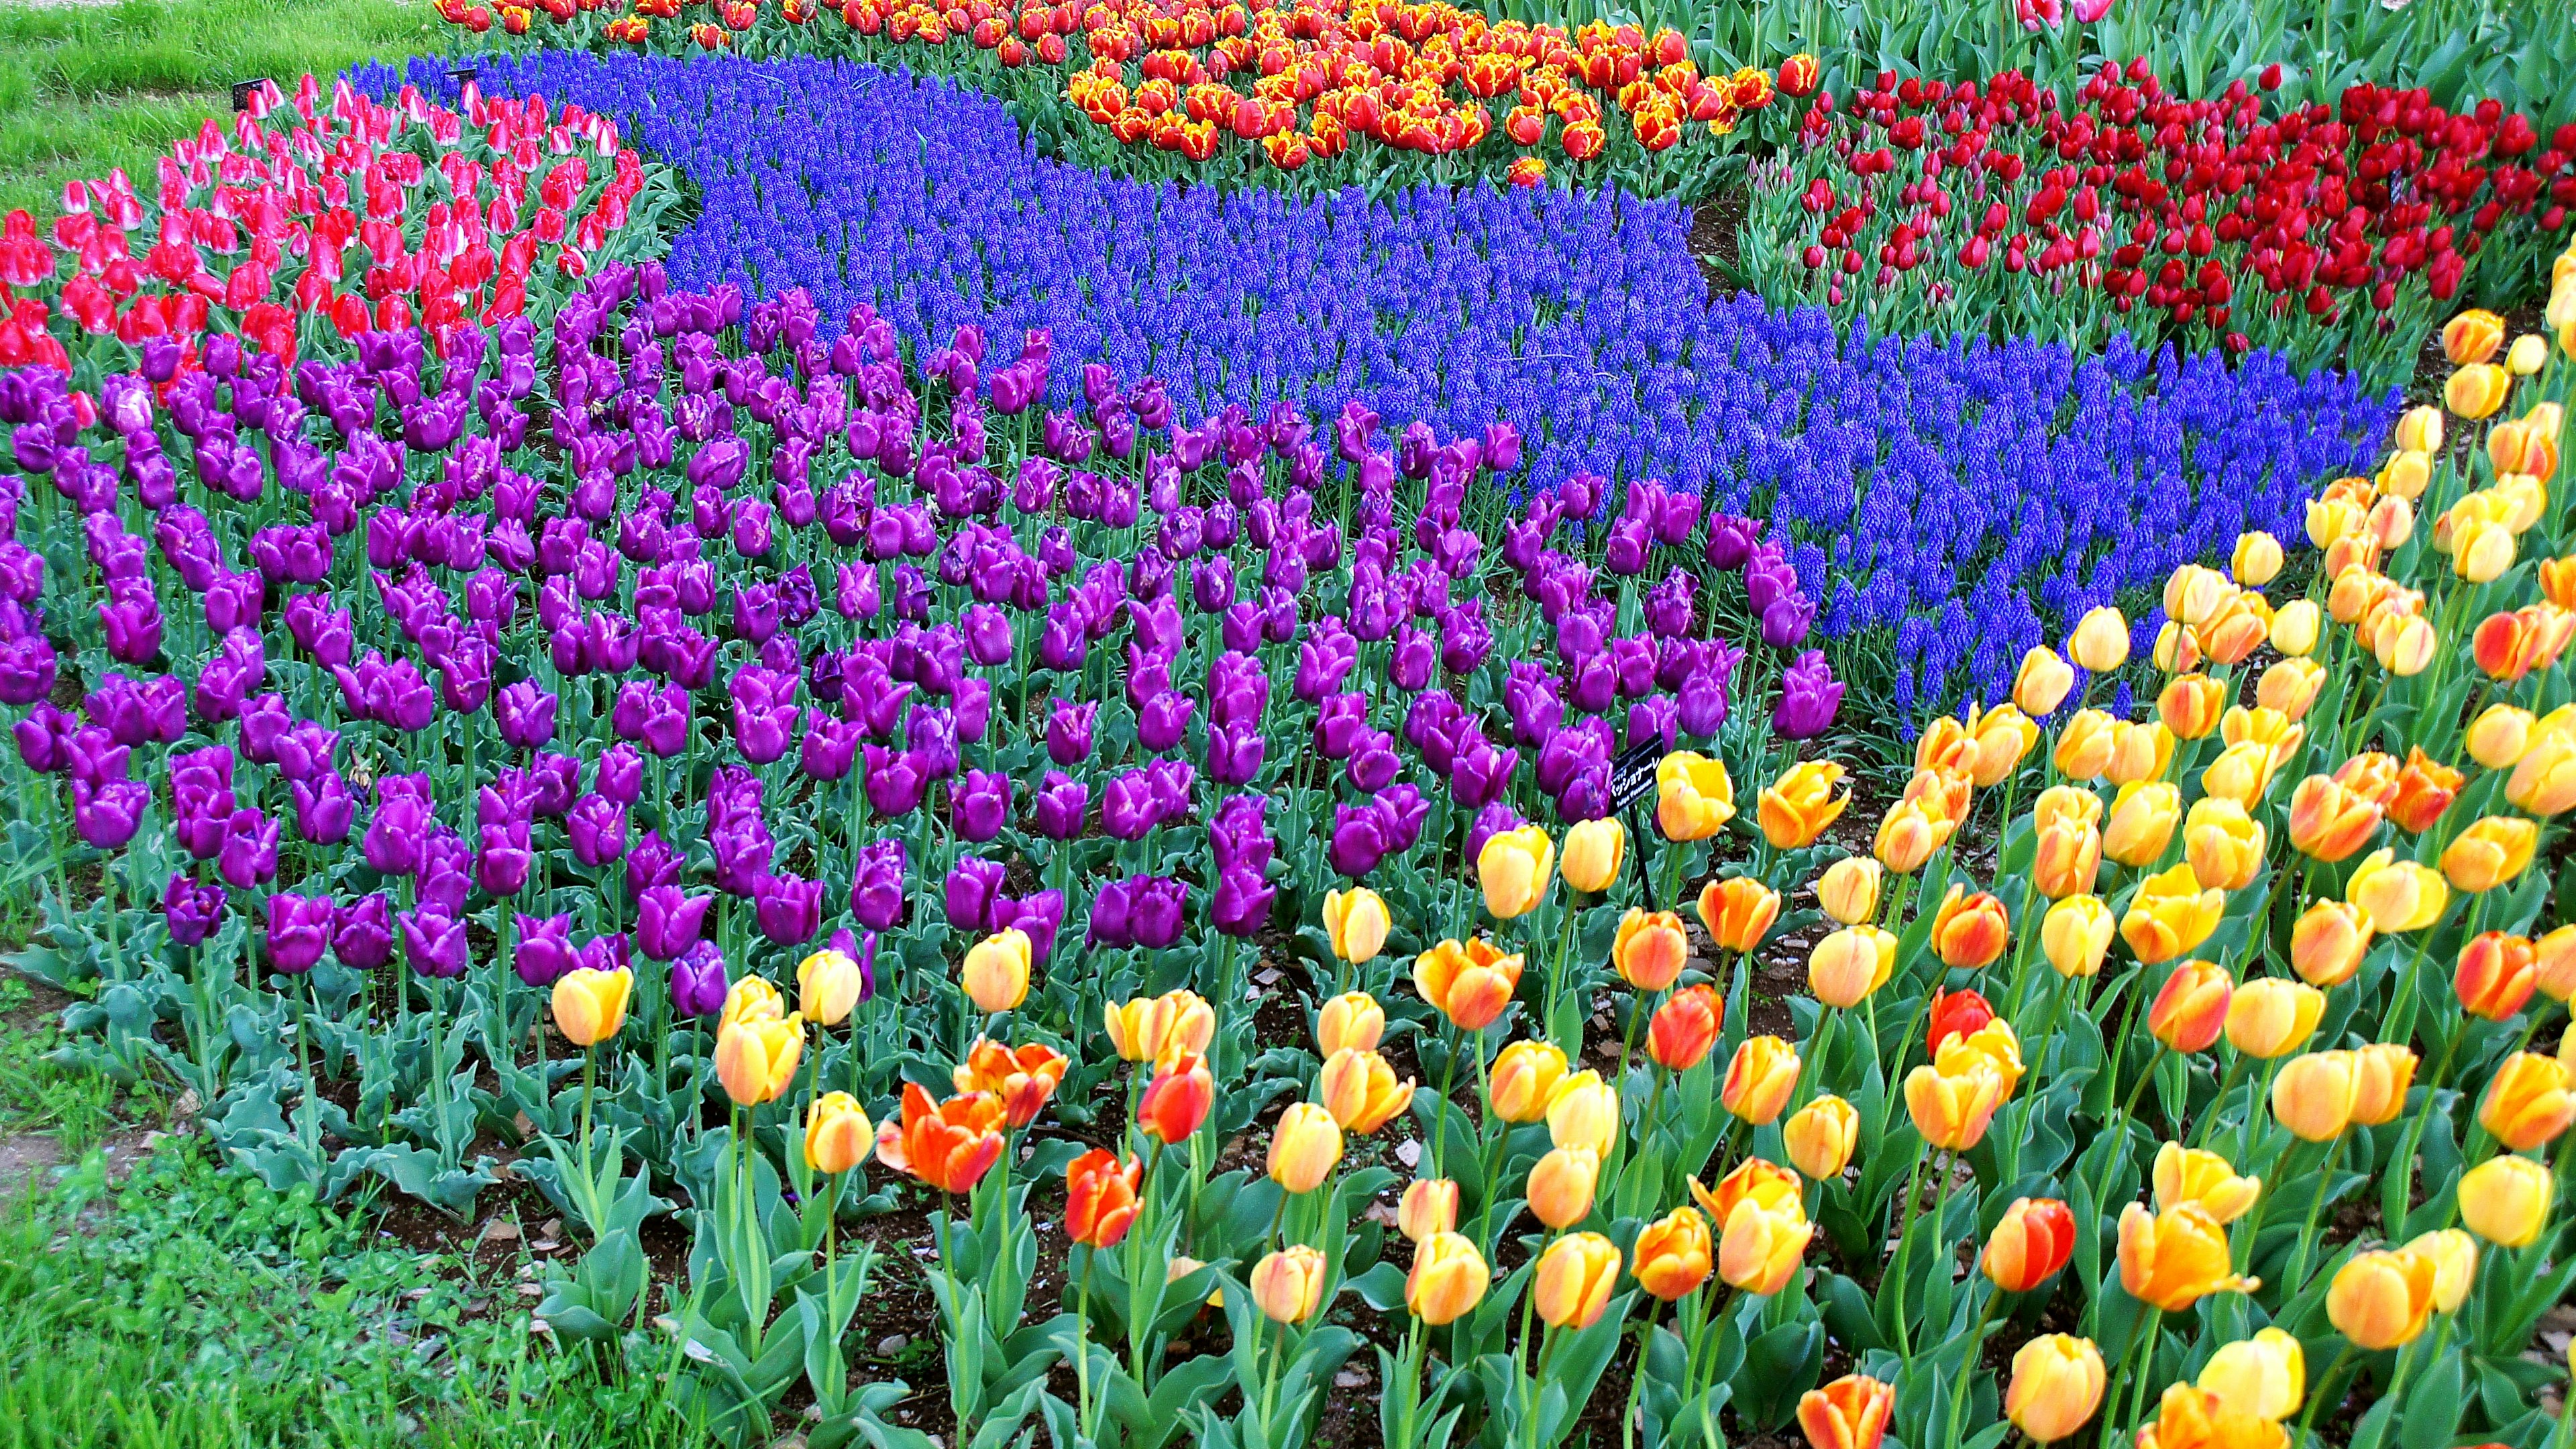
(2496, 975)
(590, 1006)
(2268, 1017)
(1020, 1078)
(1849, 965)
(2076, 934)
(2313, 1095)
(1738, 911)
(2454, 1256)
(1798, 806)
(2084, 745)
(2381, 1299)
(2057, 1383)
(2030, 1244)
(2067, 854)
(2471, 337)
(2290, 687)
(1909, 833)
(1447, 1279)
(2489, 853)
(996, 973)
(1361, 1091)
(1650, 949)
(1100, 1198)
(2174, 1258)
(2329, 822)
(2543, 782)
(2382, 1074)
(950, 1145)
(1524, 1076)
(838, 1134)
(1351, 1021)
(1177, 1100)
(1513, 869)
(2265, 1376)
(2477, 390)
(1305, 1147)
(2295, 628)
(1594, 851)
(2499, 737)
(1762, 1243)
(756, 1059)
(1561, 1185)
(1674, 1254)
(1849, 1413)
(1848, 890)
(2142, 820)
(2553, 964)
(1693, 796)
(2205, 1179)
(1571, 1286)
(2530, 1101)
(1583, 1111)
(2425, 788)
(1429, 1206)
(2505, 1200)
(2222, 844)
(2100, 643)
(1970, 930)
(2191, 1417)
(1820, 1137)
(828, 984)
(1760, 1079)
(2328, 942)
(1952, 1104)
(1469, 984)
(2042, 682)
(2169, 915)
(1288, 1285)
(1356, 921)
(2190, 705)
(1683, 1029)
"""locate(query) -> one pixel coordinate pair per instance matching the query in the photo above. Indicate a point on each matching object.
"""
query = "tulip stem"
(2120, 1141)
(2318, 1396)
(2146, 1368)
(1968, 1366)
(1905, 1240)
(589, 1069)
(2400, 1190)
(2254, 1108)
(1637, 1378)
(1082, 1348)
(1440, 1128)
(2226, 1085)
(1556, 973)
(2291, 1282)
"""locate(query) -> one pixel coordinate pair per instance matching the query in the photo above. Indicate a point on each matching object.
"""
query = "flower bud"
(1650, 949)
(1429, 1206)
(1288, 1285)
(2032, 1242)
(1583, 1111)
(996, 973)
(2454, 1255)
(1685, 1027)
(2076, 934)
(1849, 1413)
(1848, 890)
(2100, 643)
(1351, 1021)
(1820, 1137)
(1674, 1254)
(1513, 870)
(2222, 844)
(2265, 1376)
(2383, 1072)
(2042, 683)
(2057, 1383)
(2505, 1200)
(2496, 975)
(2328, 942)
(1571, 1285)
(1561, 1186)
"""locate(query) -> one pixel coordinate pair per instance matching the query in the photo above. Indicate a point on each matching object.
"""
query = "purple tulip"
(299, 931)
(191, 910)
(544, 950)
(1069, 731)
(248, 856)
(667, 923)
(1731, 540)
(1039, 916)
(1062, 804)
(44, 738)
(650, 862)
(609, 953)
(1241, 906)
(876, 885)
(895, 781)
(597, 827)
(434, 943)
(981, 805)
(698, 984)
(789, 908)
(503, 858)
(443, 880)
(974, 883)
(109, 812)
(1809, 698)
(1161, 724)
(620, 774)
(526, 715)
(1339, 724)
(1358, 841)
(324, 809)
(830, 746)
(1127, 806)
(362, 932)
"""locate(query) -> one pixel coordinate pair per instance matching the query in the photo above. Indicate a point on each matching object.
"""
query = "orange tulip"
(2032, 1242)
(2490, 853)
(2496, 975)
(1360, 1090)
(1909, 833)
(1021, 1079)
(2473, 336)
(1801, 803)
(1429, 1205)
(2191, 1009)
(950, 1145)
(2553, 965)
(1753, 1180)
(2477, 390)
(2084, 745)
(2139, 752)
(2382, 1074)
(1761, 1246)
(2382, 1299)
(1849, 1413)
(2529, 1103)
(2191, 1417)
(1150, 1028)
(1100, 1198)
(1523, 1077)
(1351, 1021)
(1288, 1285)
(1177, 1100)
(1684, 1028)
(1561, 1185)
(2425, 788)
(1305, 1147)
(1738, 911)
(2329, 822)
(2143, 816)
(1953, 1100)
(1970, 930)
(1571, 1286)
(1820, 1137)
(1674, 1254)
(1449, 1277)
(2328, 942)
(1760, 1079)
(1469, 984)
(2170, 914)
(2175, 1258)
(1513, 869)
(2313, 1094)
(1947, 747)
(2003, 735)
(2190, 705)
(1650, 949)
(2057, 1383)
(2190, 1175)
(1848, 965)
(2067, 855)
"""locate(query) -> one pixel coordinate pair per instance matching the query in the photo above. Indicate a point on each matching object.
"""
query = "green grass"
(190, 1306)
(84, 88)
(35, 1095)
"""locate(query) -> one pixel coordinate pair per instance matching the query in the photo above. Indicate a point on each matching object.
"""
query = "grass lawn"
(86, 87)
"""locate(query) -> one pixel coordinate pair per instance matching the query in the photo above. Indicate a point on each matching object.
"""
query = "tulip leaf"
(1381, 1287)
(2431, 1414)
(1779, 1366)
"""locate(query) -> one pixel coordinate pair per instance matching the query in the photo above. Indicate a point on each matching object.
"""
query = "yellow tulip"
(1523, 1077)
(1305, 1147)
(2222, 844)
(2381, 1299)
(828, 985)
(2057, 1383)
(2100, 643)
(1850, 964)
(2205, 1179)
(2141, 823)
(1583, 1111)
(2076, 935)
(1571, 1286)
(756, 1059)
(1801, 803)
(1351, 1021)
(1356, 922)
(2505, 1200)
(2174, 1258)
(1848, 890)
(1693, 796)
(1594, 851)
(1514, 868)
(2043, 682)
(1561, 1185)
(2313, 1095)
(838, 1135)
(590, 1006)
(2265, 1376)
(2169, 915)
(1449, 1277)
(996, 972)
(1820, 1137)
(2269, 1017)
(1759, 1079)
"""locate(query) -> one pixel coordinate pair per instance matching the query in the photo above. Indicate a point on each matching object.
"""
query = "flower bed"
(308, 222)
(2332, 234)
(1580, 318)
